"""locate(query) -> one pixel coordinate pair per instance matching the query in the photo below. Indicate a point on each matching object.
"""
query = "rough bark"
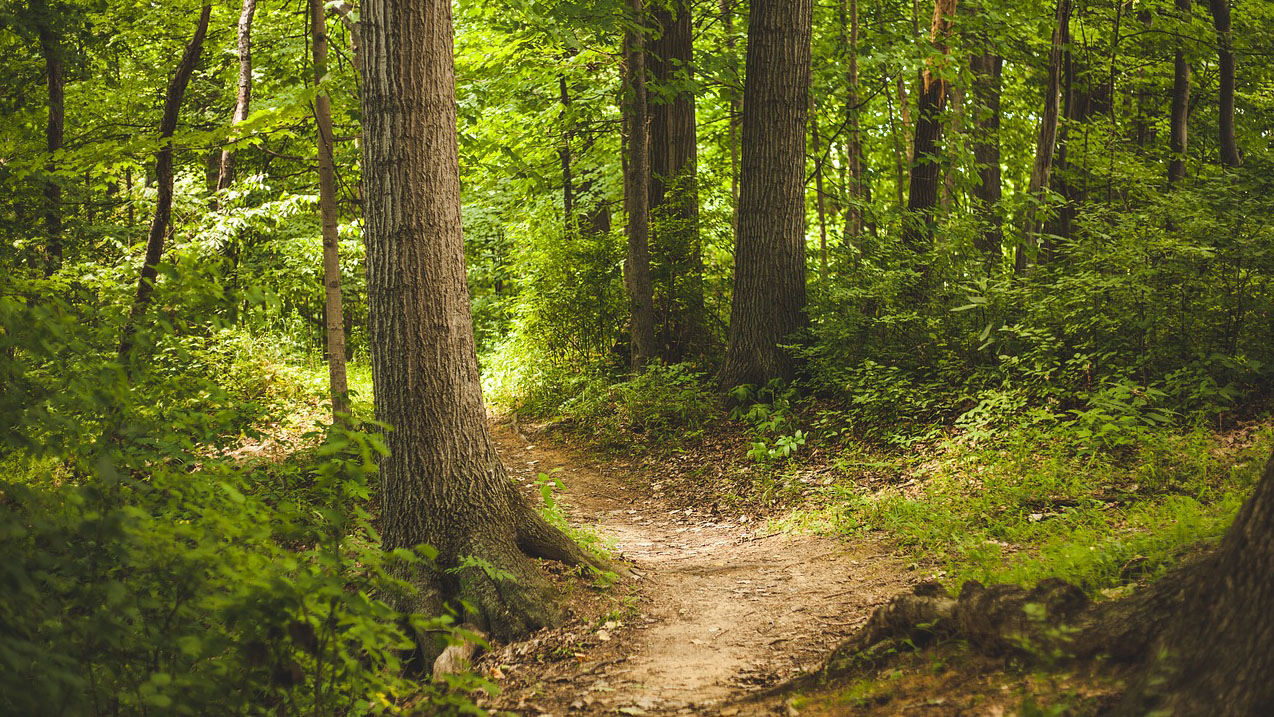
(163, 182)
(333, 314)
(769, 260)
(637, 193)
(818, 191)
(926, 169)
(54, 74)
(1178, 127)
(243, 97)
(442, 483)
(1199, 637)
(1046, 141)
(731, 96)
(677, 271)
(856, 190)
(987, 192)
(1225, 95)
(564, 157)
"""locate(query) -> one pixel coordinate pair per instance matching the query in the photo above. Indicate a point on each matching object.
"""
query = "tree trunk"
(570, 225)
(1214, 655)
(244, 96)
(442, 483)
(987, 68)
(637, 194)
(735, 110)
(925, 167)
(1178, 129)
(769, 261)
(818, 192)
(854, 139)
(51, 48)
(674, 192)
(1046, 142)
(333, 312)
(1225, 98)
(163, 182)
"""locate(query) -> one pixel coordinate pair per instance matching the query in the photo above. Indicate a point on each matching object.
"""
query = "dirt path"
(725, 609)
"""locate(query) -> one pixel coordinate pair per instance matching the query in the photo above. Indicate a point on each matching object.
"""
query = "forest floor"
(718, 609)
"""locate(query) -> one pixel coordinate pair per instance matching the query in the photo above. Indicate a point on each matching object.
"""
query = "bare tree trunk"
(164, 183)
(332, 310)
(987, 68)
(925, 168)
(51, 48)
(564, 155)
(244, 96)
(637, 194)
(818, 192)
(769, 260)
(442, 483)
(854, 140)
(1225, 97)
(1046, 142)
(735, 112)
(674, 189)
(1178, 129)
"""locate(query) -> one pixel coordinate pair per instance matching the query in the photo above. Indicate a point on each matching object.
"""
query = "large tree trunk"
(1225, 96)
(926, 172)
(1214, 655)
(1046, 142)
(674, 190)
(243, 97)
(54, 73)
(637, 194)
(1178, 128)
(442, 483)
(769, 260)
(163, 182)
(332, 310)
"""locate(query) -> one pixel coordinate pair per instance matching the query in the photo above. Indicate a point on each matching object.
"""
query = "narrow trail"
(724, 609)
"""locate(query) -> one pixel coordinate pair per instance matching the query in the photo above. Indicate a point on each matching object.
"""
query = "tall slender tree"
(55, 80)
(1220, 10)
(677, 274)
(1179, 122)
(163, 182)
(243, 97)
(442, 483)
(987, 69)
(926, 167)
(333, 313)
(637, 192)
(769, 260)
(1046, 140)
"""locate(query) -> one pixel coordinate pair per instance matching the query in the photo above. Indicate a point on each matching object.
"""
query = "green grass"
(1034, 506)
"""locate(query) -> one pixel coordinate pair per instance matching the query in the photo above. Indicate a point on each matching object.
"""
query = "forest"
(641, 357)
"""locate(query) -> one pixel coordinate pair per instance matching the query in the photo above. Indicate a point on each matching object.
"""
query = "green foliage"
(768, 413)
(183, 592)
(149, 570)
(661, 405)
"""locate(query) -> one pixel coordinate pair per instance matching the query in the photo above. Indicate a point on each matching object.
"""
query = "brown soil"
(718, 608)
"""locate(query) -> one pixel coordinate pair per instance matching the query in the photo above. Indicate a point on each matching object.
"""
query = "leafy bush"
(660, 404)
(188, 592)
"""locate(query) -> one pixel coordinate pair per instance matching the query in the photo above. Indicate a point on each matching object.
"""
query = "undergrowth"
(1039, 503)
